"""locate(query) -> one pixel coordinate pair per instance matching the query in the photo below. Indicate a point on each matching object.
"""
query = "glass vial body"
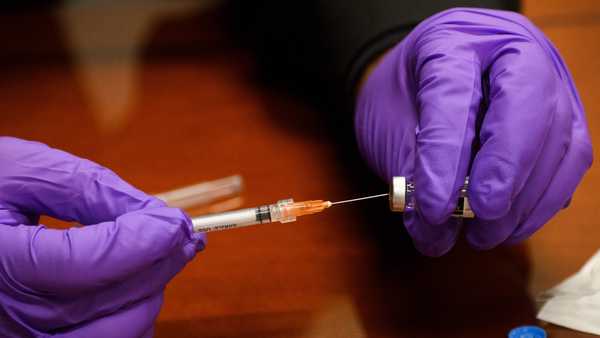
(402, 198)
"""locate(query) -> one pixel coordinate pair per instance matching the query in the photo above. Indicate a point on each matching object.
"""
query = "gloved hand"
(105, 279)
(417, 112)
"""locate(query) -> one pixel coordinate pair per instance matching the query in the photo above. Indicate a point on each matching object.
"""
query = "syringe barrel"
(402, 198)
(232, 219)
(277, 212)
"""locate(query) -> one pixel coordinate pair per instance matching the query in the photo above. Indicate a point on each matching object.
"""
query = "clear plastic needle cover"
(203, 193)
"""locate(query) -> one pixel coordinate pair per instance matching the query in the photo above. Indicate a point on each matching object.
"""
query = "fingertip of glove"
(490, 198)
(197, 238)
(201, 240)
(429, 210)
(493, 186)
(433, 215)
(489, 206)
(430, 240)
(195, 245)
(161, 227)
(433, 249)
(480, 244)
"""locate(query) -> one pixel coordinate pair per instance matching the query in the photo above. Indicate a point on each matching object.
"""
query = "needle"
(359, 199)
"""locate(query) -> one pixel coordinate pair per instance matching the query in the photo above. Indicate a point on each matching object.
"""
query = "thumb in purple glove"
(82, 279)
(416, 116)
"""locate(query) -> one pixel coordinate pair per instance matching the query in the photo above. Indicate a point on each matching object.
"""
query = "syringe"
(283, 211)
(401, 197)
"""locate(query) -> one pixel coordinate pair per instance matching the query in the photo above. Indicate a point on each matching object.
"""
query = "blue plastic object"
(529, 331)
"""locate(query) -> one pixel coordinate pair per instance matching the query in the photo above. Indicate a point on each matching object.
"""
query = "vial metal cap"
(398, 193)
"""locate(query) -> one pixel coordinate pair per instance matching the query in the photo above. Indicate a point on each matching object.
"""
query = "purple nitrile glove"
(105, 279)
(417, 112)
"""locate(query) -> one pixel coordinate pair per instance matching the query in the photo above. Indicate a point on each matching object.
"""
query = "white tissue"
(575, 303)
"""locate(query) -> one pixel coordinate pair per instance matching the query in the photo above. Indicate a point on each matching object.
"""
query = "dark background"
(194, 102)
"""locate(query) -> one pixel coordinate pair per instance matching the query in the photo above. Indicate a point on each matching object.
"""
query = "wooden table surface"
(349, 272)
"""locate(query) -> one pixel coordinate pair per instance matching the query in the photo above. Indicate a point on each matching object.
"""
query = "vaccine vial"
(402, 198)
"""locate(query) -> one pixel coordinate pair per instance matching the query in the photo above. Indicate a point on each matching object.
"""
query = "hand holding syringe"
(401, 198)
